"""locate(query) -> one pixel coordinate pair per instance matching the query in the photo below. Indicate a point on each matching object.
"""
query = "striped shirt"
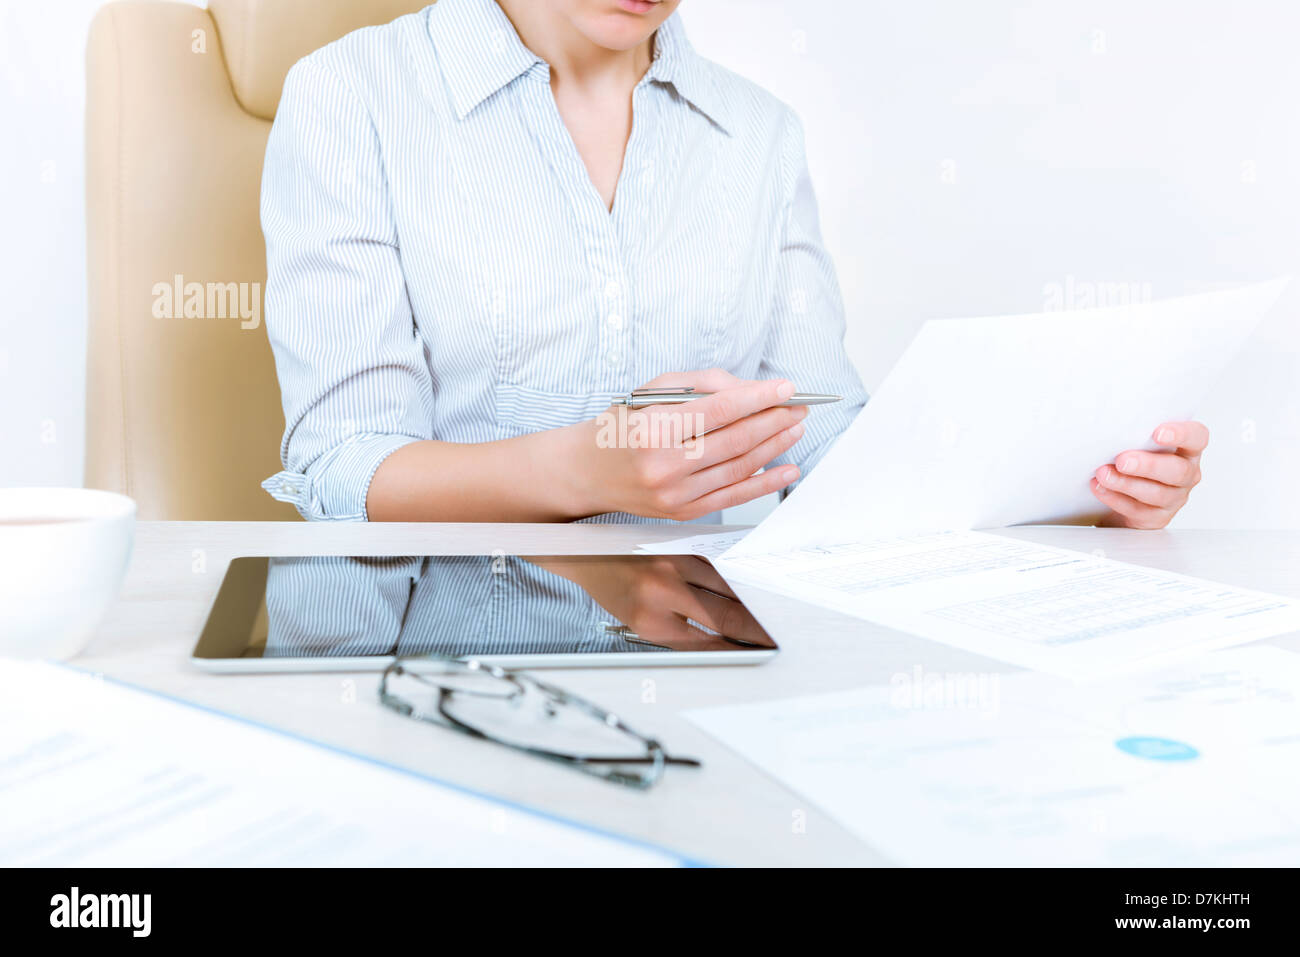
(440, 265)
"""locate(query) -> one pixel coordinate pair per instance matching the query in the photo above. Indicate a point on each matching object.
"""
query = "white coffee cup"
(63, 555)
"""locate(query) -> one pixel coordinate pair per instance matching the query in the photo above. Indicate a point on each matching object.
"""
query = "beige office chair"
(183, 410)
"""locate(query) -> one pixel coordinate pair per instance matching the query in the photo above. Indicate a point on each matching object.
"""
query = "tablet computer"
(353, 613)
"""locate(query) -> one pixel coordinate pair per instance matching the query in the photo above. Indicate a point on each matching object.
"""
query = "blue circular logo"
(1157, 749)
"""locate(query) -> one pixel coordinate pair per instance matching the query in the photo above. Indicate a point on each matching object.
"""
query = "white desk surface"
(726, 812)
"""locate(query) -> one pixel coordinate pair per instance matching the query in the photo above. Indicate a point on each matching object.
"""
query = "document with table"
(93, 773)
(1051, 609)
(989, 422)
(1193, 765)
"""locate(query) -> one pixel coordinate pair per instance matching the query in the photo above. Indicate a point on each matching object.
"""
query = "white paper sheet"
(706, 546)
(1001, 421)
(1037, 606)
(94, 774)
(1191, 766)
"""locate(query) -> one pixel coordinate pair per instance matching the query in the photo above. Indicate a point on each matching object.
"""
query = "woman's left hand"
(1146, 489)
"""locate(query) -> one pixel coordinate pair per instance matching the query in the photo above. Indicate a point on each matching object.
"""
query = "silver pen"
(640, 398)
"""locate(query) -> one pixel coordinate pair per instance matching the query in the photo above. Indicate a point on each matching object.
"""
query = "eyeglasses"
(514, 709)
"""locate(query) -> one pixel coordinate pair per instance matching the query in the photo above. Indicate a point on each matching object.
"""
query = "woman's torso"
(533, 303)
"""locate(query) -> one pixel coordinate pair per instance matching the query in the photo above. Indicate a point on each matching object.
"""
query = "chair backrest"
(182, 405)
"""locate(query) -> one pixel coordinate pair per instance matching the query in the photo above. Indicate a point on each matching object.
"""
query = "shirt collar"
(478, 50)
(480, 53)
(693, 77)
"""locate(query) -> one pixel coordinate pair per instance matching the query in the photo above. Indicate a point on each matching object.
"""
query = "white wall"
(42, 240)
(42, 327)
(971, 158)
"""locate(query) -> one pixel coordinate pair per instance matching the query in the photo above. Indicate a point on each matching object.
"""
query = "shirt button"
(612, 289)
(613, 358)
(615, 320)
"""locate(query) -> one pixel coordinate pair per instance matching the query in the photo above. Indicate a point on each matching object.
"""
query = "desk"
(727, 812)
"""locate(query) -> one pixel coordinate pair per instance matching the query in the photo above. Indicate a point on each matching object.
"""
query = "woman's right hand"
(684, 461)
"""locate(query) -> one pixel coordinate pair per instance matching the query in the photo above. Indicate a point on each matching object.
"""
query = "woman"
(486, 219)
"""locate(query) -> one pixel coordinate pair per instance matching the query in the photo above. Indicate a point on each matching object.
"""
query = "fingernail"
(791, 473)
(785, 390)
(800, 411)
(1164, 436)
(1127, 465)
(796, 430)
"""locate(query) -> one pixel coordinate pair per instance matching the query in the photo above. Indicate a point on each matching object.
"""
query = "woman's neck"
(574, 58)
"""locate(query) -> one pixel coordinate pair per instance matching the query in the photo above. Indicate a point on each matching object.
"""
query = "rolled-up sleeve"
(353, 380)
(806, 338)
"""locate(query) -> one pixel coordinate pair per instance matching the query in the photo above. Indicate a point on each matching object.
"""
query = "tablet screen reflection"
(479, 606)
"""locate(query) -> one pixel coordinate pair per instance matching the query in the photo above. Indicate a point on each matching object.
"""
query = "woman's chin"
(624, 27)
